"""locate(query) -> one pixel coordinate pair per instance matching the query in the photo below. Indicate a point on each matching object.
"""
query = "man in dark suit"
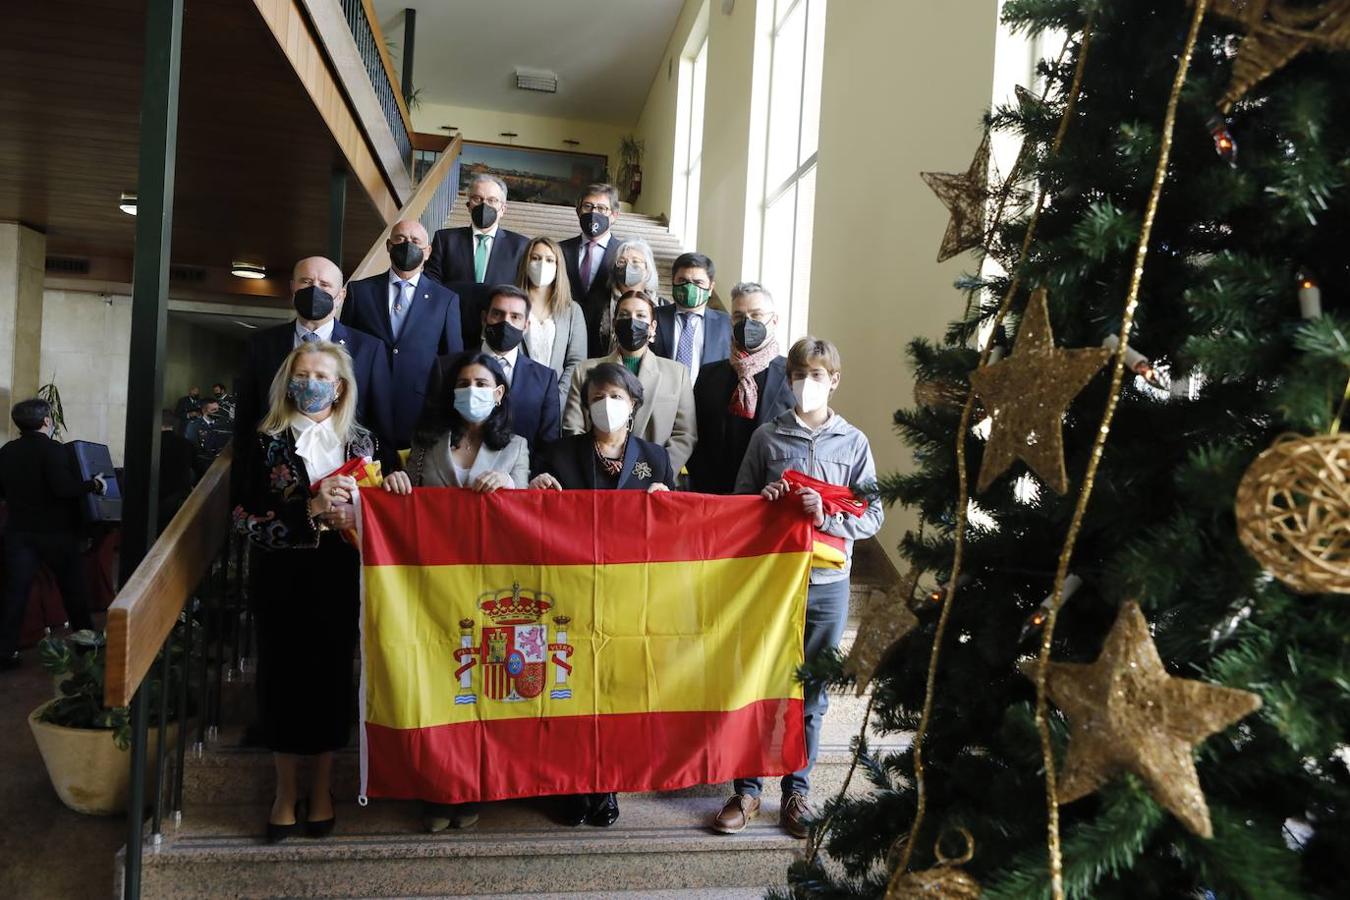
(734, 396)
(535, 402)
(177, 456)
(317, 294)
(41, 486)
(688, 331)
(470, 260)
(590, 258)
(416, 318)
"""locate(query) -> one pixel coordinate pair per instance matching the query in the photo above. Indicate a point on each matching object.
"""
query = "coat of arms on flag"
(513, 652)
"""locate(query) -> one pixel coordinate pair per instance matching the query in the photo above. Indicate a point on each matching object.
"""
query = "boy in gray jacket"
(815, 440)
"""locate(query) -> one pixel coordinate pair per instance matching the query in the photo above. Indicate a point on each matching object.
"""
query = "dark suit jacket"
(264, 354)
(431, 329)
(716, 334)
(596, 300)
(723, 436)
(452, 256)
(571, 460)
(534, 399)
(41, 484)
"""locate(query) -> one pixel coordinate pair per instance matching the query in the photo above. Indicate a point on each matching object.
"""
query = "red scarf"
(745, 400)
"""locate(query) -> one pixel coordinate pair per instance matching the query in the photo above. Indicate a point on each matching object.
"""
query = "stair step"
(380, 851)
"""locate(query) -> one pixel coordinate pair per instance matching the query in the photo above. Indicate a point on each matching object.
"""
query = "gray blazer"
(569, 347)
(432, 467)
(666, 416)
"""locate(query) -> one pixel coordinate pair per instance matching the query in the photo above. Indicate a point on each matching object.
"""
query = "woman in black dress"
(607, 456)
(308, 576)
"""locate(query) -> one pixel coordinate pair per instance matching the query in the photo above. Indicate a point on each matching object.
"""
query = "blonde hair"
(811, 350)
(281, 407)
(560, 291)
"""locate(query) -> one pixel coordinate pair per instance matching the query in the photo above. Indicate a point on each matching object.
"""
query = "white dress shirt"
(510, 356)
(324, 331)
(318, 445)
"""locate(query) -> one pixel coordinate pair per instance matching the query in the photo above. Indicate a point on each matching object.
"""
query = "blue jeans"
(826, 616)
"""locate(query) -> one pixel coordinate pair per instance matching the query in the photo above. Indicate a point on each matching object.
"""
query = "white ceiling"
(605, 52)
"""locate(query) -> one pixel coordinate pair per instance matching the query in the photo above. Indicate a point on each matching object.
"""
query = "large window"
(797, 48)
(689, 144)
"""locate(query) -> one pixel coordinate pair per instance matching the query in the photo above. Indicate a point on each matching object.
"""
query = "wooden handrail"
(388, 65)
(147, 606)
(376, 259)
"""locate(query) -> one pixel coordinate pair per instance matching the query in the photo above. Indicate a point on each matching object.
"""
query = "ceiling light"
(536, 80)
(247, 270)
(127, 203)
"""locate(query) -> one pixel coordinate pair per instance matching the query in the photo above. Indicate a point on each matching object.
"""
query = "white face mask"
(541, 272)
(811, 395)
(611, 413)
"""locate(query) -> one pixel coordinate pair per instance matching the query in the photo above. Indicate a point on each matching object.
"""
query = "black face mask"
(593, 224)
(483, 215)
(406, 256)
(313, 303)
(631, 333)
(749, 334)
(503, 337)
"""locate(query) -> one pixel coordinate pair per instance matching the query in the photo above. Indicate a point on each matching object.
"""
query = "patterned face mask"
(311, 395)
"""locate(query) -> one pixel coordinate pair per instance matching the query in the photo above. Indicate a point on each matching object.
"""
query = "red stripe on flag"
(454, 526)
(531, 757)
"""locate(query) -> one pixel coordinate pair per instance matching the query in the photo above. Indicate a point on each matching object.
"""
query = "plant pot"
(90, 774)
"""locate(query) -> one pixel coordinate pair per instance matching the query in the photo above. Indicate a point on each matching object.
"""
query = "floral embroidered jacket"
(273, 508)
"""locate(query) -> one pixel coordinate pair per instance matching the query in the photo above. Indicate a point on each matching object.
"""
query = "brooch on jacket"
(642, 470)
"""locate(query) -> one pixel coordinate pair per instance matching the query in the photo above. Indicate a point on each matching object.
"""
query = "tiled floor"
(47, 852)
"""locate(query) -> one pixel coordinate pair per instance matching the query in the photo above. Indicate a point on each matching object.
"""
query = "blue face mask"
(311, 395)
(475, 404)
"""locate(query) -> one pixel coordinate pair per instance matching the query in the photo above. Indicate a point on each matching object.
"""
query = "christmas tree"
(1219, 138)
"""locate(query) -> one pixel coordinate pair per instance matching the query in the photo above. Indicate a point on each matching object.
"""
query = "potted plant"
(630, 168)
(83, 743)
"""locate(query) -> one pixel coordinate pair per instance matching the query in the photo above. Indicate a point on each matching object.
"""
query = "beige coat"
(666, 416)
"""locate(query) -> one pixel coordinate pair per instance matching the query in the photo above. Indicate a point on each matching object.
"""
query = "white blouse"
(539, 338)
(318, 445)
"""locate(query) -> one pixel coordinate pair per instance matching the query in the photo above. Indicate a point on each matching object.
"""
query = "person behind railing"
(665, 413)
(307, 576)
(41, 486)
(590, 259)
(176, 476)
(464, 440)
(557, 333)
(606, 455)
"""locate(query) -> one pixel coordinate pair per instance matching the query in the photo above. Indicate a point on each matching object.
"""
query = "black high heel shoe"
(324, 827)
(604, 810)
(573, 809)
(278, 833)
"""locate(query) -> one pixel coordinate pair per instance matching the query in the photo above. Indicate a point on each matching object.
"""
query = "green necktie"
(480, 256)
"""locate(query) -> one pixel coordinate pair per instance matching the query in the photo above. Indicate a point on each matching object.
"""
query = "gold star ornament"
(1126, 714)
(885, 618)
(966, 196)
(1277, 32)
(1026, 395)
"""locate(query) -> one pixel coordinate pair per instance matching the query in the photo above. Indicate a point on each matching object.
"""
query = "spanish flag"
(528, 643)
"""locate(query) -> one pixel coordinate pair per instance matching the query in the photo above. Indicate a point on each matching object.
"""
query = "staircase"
(560, 223)
(660, 848)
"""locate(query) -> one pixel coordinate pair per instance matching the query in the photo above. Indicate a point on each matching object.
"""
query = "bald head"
(408, 246)
(318, 271)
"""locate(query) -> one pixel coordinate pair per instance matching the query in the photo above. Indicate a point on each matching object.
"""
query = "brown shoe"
(736, 814)
(795, 816)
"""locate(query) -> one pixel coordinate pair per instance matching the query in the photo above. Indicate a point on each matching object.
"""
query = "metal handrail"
(440, 186)
(365, 28)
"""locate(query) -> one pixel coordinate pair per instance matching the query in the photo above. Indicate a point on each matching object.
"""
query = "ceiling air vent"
(536, 80)
(67, 265)
(190, 274)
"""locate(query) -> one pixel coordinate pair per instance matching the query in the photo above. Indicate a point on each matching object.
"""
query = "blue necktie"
(401, 304)
(684, 353)
(309, 337)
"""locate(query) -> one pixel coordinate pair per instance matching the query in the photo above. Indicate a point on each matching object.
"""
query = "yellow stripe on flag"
(647, 637)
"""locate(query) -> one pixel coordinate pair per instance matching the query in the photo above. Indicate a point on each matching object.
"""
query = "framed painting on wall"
(533, 174)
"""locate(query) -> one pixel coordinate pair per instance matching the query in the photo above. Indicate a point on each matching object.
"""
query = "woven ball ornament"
(1293, 512)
